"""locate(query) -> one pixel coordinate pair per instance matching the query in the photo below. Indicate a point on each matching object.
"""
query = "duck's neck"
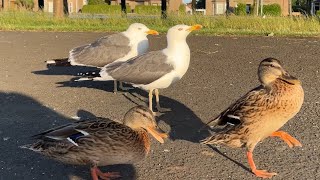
(145, 140)
(280, 86)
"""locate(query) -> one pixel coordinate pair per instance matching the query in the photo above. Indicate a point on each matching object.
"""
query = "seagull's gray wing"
(101, 52)
(143, 69)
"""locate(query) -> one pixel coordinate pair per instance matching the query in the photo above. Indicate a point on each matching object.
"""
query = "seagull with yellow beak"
(156, 69)
(108, 49)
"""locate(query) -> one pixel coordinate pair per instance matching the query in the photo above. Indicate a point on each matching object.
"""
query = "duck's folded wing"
(244, 107)
(73, 131)
(143, 69)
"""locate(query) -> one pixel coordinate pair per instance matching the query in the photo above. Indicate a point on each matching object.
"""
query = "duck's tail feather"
(33, 147)
(212, 122)
(58, 62)
(215, 139)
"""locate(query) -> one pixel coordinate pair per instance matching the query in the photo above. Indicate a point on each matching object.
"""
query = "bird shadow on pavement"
(65, 70)
(184, 123)
(102, 85)
(22, 117)
(227, 157)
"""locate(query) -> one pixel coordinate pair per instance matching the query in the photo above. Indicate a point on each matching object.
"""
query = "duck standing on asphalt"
(261, 112)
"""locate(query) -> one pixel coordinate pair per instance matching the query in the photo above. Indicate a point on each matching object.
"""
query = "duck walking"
(261, 113)
(101, 141)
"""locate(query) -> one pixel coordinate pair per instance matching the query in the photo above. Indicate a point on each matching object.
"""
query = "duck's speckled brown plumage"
(109, 142)
(262, 111)
(99, 141)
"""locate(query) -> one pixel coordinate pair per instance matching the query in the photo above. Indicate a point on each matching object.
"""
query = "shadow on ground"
(21, 117)
(64, 70)
(183, 122)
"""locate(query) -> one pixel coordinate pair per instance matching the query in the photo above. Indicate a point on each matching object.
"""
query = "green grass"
(233, 25)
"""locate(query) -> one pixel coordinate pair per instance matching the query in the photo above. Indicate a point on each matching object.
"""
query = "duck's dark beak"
(157, 133)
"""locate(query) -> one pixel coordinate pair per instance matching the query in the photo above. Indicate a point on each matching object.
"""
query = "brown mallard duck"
(261, 112)
(101, 141)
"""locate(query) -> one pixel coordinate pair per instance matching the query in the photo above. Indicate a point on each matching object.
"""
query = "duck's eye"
(271, 65)
(180, 29)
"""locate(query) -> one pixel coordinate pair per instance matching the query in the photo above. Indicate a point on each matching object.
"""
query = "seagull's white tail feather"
(104, 75)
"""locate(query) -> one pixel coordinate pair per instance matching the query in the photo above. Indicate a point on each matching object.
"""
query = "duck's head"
(270, 69)
(181, 31)
(140, 117)
(138, 29)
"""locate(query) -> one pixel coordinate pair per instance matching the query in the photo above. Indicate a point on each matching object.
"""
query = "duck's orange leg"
(96, 174)
(291, 141)
(258, 173)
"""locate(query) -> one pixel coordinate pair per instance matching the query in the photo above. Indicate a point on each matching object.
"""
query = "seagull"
(108, 49)
(156, 69)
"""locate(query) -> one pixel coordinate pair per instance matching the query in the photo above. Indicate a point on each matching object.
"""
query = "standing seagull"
(156, 69)
(261, 112)
(113, 48)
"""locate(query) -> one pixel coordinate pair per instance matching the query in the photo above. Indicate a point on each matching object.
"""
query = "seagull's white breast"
(179, 58)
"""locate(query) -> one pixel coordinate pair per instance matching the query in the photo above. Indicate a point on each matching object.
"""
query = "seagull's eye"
(180, 29)
(139, 28)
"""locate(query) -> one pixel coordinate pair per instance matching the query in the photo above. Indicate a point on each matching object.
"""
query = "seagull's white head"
(138, 29)
(181, 31)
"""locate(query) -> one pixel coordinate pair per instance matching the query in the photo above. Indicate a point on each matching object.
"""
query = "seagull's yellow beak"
(152, 32)
(194, 27)
(158, 134)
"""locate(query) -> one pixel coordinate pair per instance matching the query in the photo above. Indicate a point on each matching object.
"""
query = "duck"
(100, 141)
(108, 49)
(260, 113)
(154, 70)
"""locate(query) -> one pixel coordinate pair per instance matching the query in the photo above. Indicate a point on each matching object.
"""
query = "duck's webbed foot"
(291, 141)
(96, 173)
